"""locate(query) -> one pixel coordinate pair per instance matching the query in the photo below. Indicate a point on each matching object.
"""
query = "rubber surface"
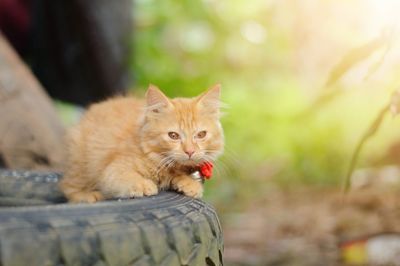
(167, 229)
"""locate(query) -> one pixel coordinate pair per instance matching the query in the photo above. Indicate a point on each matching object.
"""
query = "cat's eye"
(173, 135)
(201, 134)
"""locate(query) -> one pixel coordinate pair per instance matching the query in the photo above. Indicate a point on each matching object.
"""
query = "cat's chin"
(191, 163)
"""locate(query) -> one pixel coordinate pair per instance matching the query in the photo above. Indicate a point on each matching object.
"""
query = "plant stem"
(373, 128)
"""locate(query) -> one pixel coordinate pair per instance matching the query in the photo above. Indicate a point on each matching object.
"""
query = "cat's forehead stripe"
(186, 114)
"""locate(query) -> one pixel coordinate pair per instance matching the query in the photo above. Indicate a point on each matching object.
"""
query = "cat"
(126, 147)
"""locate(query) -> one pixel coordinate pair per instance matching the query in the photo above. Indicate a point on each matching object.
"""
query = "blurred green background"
(303, 81)
(277, 61)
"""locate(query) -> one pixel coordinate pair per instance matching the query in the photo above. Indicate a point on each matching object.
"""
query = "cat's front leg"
(188, 186)
(121, 180)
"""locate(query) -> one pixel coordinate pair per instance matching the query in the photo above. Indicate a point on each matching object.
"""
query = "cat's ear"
(210, 101)
(156, 100)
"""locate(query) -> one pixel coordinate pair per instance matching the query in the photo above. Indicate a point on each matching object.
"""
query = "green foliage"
(186, 46)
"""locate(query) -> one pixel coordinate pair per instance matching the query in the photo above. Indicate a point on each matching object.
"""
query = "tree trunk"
(31, 133)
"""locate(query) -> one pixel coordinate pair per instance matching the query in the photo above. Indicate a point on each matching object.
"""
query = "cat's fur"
(122, 147)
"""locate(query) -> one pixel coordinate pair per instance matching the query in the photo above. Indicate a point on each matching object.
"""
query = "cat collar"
(204, 172)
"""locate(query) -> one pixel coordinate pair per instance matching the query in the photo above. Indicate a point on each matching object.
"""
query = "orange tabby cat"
(127, 147)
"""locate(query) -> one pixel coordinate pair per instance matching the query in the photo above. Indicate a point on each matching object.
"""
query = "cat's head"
(184, 131)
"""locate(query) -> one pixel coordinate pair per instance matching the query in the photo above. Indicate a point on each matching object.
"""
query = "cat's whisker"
(163, 164)
(171, 164)
(232, 156)
(229, 159)
(166, 165)
(223, 169)
(163, 161)
(220, 167)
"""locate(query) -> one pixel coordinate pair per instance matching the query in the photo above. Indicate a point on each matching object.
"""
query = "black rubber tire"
(167, 229)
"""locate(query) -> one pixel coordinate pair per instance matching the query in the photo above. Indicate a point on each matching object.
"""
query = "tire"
(166, 229)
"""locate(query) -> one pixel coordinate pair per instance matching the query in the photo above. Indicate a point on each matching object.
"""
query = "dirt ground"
(304, 226)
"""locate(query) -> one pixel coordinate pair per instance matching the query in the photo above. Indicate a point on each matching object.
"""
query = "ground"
(304, 226)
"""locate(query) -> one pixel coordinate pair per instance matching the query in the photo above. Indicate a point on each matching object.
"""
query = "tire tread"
(167, 229)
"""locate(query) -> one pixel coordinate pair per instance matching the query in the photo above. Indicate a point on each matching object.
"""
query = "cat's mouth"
(179, 160)
(190, 162)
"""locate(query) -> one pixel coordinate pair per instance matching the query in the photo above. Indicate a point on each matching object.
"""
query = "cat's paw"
(86, 197)
(189, 187)
(143, 187)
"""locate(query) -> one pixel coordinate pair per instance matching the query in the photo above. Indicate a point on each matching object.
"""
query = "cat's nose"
(189, 153)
